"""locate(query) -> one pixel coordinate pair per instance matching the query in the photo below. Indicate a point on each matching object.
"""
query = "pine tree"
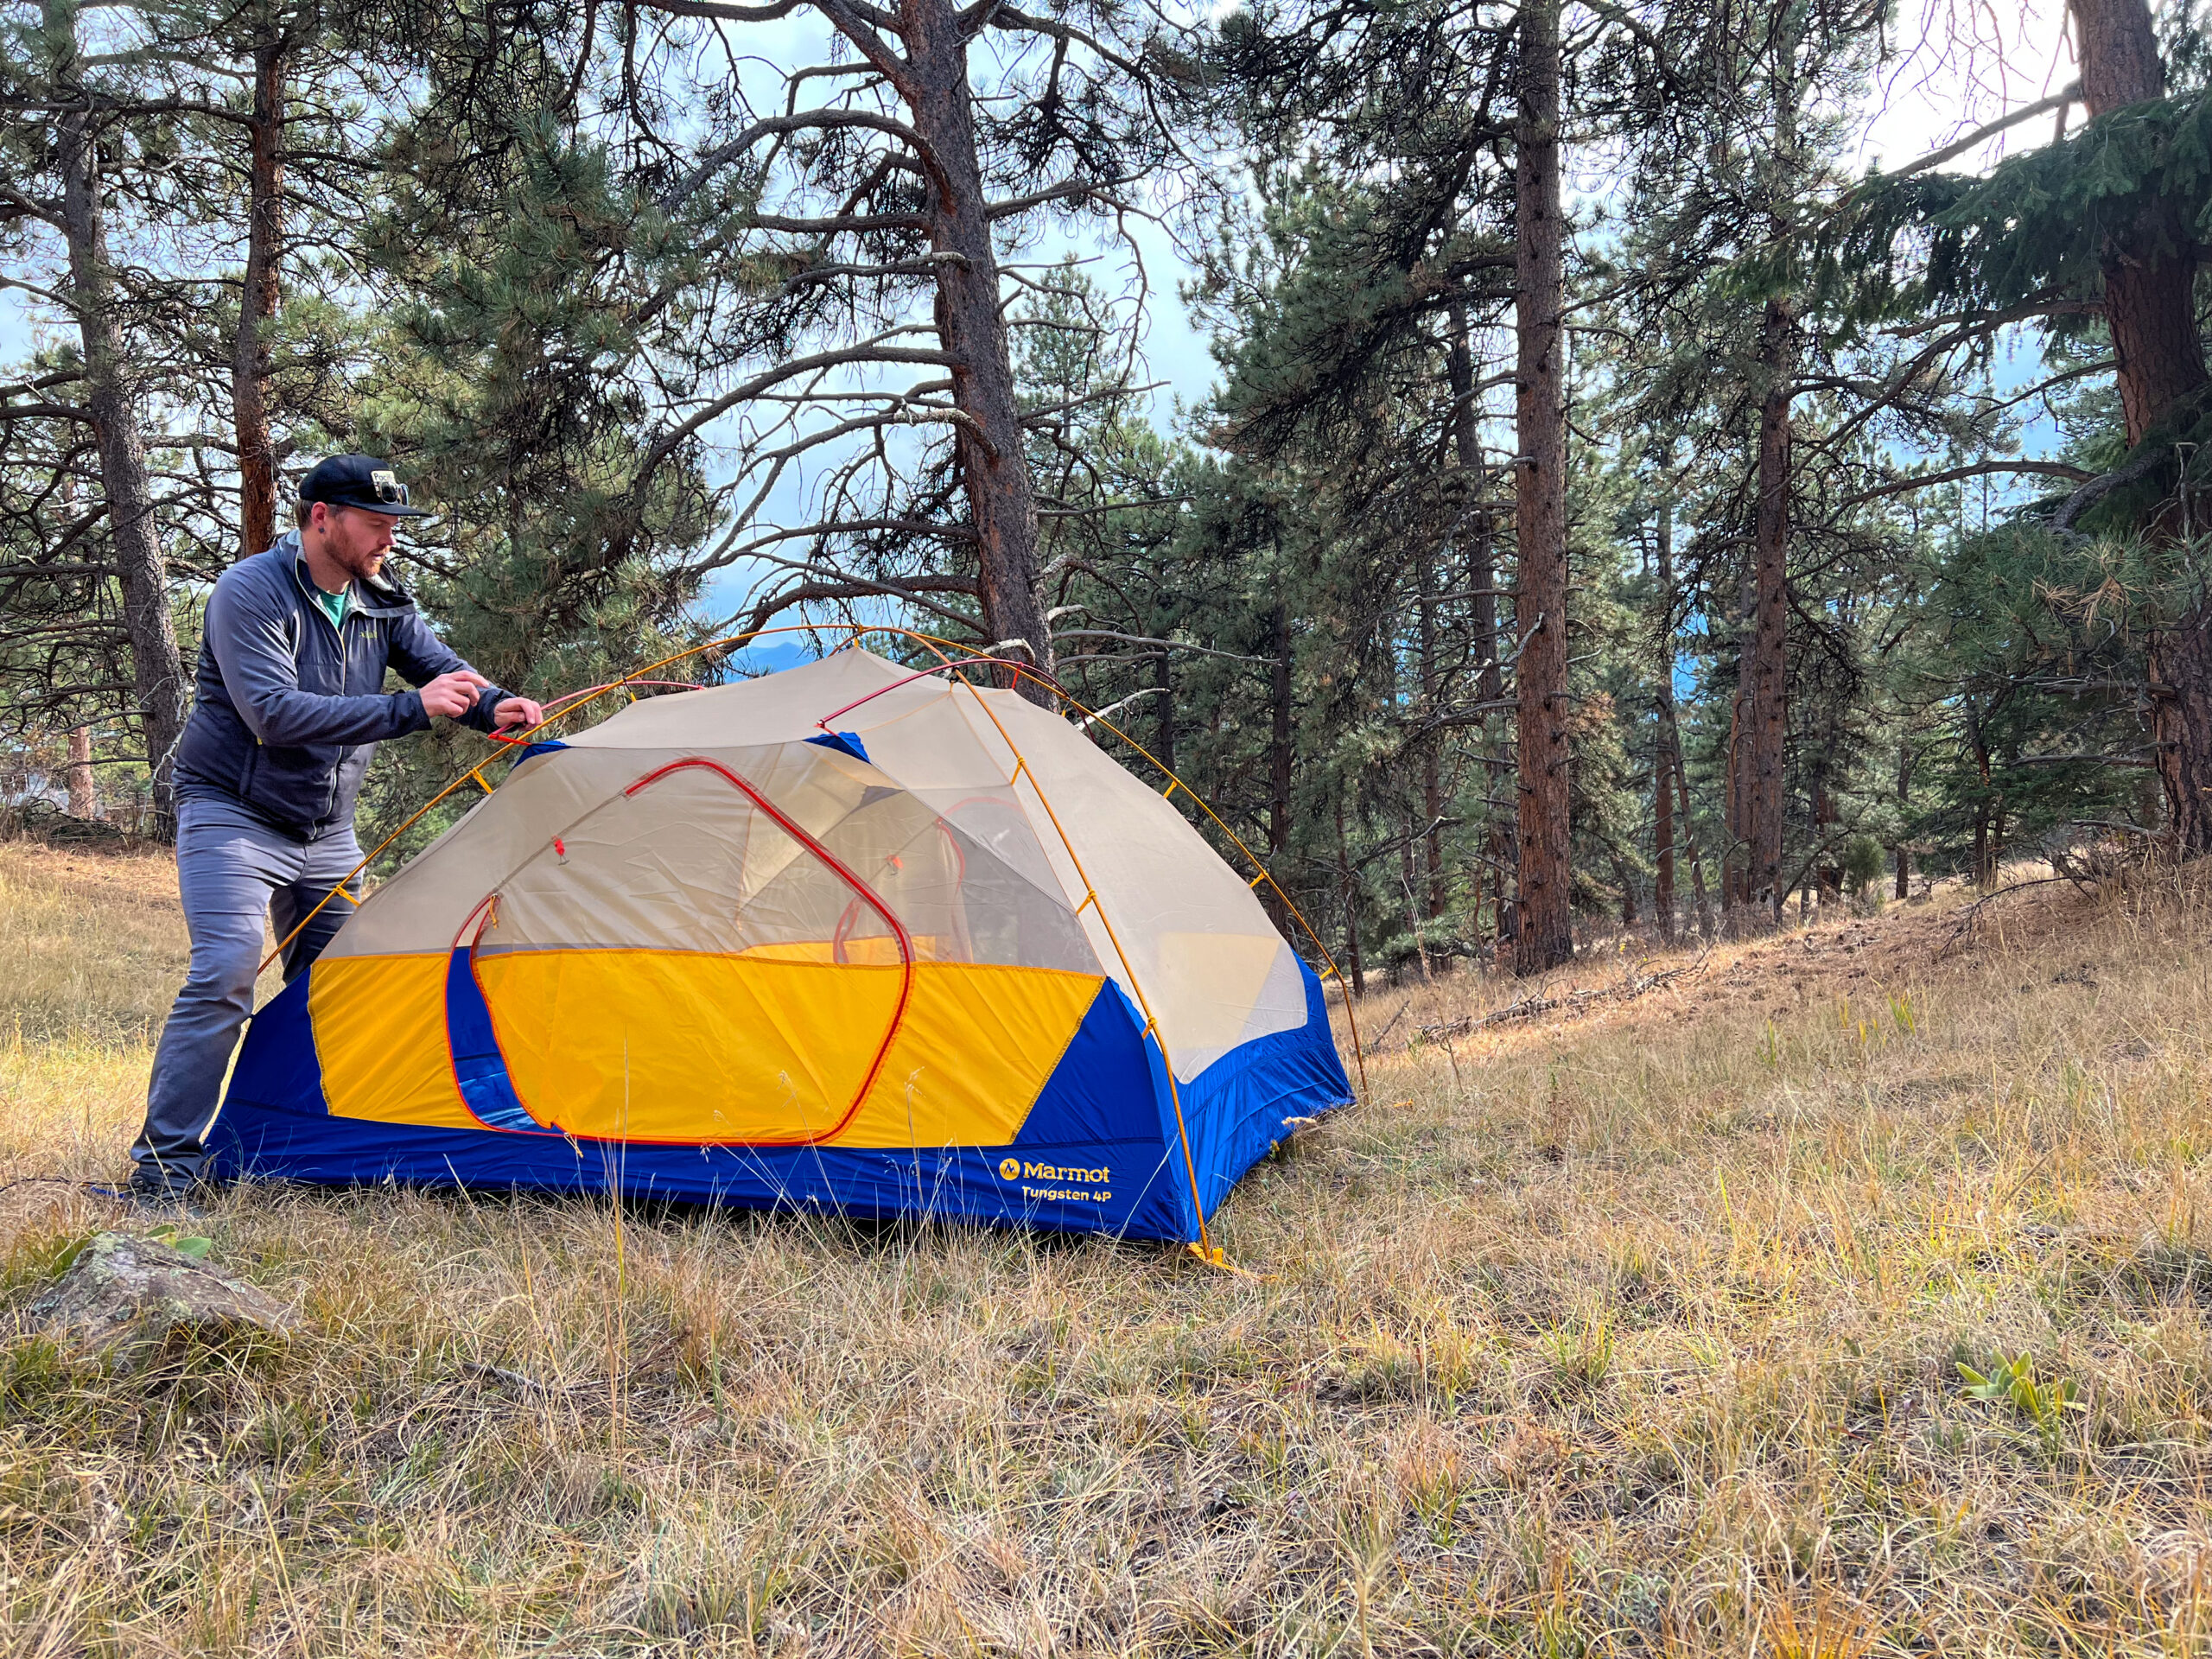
(86, 124)
(2092, 235)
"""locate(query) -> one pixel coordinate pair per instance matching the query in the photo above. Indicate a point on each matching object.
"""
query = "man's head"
(349, 506)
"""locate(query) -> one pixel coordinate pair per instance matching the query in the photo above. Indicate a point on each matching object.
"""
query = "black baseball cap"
(360, 481)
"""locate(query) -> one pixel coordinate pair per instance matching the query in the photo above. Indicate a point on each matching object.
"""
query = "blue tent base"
(1098, 1152)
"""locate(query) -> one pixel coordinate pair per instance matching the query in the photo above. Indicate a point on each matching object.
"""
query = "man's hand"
(517, 711)
(453, 695)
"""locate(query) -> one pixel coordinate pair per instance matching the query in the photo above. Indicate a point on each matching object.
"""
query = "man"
(290, 704)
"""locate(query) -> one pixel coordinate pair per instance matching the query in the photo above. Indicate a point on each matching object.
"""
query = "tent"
(851, 937)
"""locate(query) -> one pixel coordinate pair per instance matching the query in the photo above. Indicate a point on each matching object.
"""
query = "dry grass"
(1636, 1334)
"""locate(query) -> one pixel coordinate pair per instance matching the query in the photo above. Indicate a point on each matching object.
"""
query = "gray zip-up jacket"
(288, 707)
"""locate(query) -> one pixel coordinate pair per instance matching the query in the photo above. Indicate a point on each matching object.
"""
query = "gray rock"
(128, 1296)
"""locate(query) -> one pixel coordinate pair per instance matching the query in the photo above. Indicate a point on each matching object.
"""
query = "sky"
(1970, 65)
(1964, 69)
(1957, 66)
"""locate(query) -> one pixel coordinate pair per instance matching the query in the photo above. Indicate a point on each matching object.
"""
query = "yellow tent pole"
(936, 645)
(1206, 1252)
(523, 737)
(1175, 783)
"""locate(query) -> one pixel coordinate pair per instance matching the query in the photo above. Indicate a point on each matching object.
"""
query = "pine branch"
(1980, 135)
(1170, 645)
(1924, 480)
(808, 592)
(2097, 488)
(754, 549)
(867, 351)
(779, 125)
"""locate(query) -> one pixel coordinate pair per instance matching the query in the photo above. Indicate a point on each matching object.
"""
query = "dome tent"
(847, 937)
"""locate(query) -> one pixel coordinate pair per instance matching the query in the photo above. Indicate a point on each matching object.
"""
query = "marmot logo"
(1009, 1168)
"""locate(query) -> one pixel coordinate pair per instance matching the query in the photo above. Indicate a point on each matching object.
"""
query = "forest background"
(1616, 504)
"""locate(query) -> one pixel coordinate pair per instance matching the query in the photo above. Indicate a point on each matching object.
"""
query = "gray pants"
(232, 870)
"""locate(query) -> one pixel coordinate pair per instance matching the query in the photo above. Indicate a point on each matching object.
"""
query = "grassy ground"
(1635, 1332)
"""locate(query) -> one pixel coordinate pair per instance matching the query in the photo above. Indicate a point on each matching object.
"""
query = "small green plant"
(1435, 1490)
(1862, 865)
(1581, 1349)
(2077, 1083)
(191, 1244)
(1771, 1045)
(2013, 1381)
(1857, 1025)
(35, 1260)
(1904, 1015)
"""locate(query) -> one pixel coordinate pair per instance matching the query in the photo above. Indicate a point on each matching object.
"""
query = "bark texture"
(1662, 839)
(84, 798)
(1544, 936)
(1664, 738)
(258, 294)
(1735, 809)
(157, 670)
(1432, 767)
(1002, 496)
(2149, 278)
(2181, 676)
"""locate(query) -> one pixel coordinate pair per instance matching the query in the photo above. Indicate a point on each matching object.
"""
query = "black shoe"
(159, 1199)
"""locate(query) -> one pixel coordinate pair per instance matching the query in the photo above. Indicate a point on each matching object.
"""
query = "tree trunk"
(1826, 873)
(1481, 577)
(1905, 791)
(1733, 887)
(1985, 865)
(1001, 496)
(1348, 882)
(1431, 764)
(1482, 569)
(1663, 834)
(1663, 737)
(2149, 276)
(84, 800)
(2149, 279)
(2181, 678)
(157, 670)
(1545, 934)
(1764, 798)
(1689, 836)
(258, 300)
(1669, 762)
